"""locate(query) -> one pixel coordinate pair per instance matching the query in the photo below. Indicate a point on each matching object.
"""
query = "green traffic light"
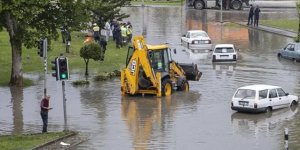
(63, 76)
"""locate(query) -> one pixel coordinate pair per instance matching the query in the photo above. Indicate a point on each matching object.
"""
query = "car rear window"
(224, 50)
(245, 93)
(198, 34)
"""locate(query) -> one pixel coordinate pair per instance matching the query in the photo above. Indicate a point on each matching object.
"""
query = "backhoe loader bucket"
(191, 71)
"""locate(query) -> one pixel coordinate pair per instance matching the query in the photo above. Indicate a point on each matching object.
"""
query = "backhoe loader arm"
(141, 48)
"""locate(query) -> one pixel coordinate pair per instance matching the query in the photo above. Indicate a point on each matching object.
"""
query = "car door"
(285, 52)
(283, 98)
(263, 100)
(274, 99)
(290, 52)
(185, 38)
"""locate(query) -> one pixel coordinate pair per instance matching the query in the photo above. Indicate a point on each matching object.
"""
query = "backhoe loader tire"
(184, 86)
(166, 87)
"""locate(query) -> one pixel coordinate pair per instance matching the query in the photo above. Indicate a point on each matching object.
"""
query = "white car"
(224, 52)
(261, 98)
(196, 39)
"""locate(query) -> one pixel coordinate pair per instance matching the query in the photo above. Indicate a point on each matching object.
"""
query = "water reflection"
(148, 116)
(226, 68)
(255, 124)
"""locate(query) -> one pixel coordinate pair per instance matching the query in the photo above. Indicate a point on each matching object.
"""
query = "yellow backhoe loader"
(150, 70)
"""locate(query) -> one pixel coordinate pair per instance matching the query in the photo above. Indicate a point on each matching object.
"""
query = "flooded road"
(200, 119)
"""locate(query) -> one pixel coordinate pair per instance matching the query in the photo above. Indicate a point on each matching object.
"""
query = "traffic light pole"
(65, 106)
(45, 46)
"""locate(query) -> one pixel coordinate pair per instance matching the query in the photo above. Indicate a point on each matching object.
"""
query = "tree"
(27, 21)
(298, 10)
(110, 10)
(91, 51)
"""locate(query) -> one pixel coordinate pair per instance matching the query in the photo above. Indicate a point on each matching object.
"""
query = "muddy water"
(200, 119)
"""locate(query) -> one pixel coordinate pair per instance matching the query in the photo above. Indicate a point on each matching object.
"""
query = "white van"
(261, 98)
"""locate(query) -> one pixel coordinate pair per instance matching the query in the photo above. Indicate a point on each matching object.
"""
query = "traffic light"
(41, 48)
(55, 68)
(63, 70)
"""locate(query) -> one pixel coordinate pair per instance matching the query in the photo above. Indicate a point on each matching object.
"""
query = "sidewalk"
(278, 31)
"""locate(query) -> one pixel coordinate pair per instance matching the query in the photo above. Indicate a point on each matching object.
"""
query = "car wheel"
(295, 60)
(236, 5)
(198, 4)
(279, 55)
(268, 110)
(293, 104)
(166, 87)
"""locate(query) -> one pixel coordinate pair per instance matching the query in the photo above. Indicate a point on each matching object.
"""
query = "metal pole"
(221, 11)
(65, 106)
(45, 46)
(286, 139)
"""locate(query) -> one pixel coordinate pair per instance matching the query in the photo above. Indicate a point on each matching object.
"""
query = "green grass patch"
(282, 24)
(32, 63)
(13, 142)
(159, 2)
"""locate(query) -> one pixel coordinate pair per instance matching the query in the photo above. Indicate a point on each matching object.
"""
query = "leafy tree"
(298, 10)
(91, 51)
(110, 10)
(27, 21)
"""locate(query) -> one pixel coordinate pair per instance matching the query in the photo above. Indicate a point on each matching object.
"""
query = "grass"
(282, 24)
(32, 63)
(14, 142)
(158, 2)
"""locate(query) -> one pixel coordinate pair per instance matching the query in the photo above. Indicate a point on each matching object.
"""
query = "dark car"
(290, 51)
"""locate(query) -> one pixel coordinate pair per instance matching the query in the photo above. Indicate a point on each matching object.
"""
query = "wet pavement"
(199, 119)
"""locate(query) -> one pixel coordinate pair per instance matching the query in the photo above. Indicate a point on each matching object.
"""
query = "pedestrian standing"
(96, 30)
(107, 31)
(123, 34)
(250, 17)
(256, 15)
(63, 33)
(44, 112)
(129, 32)
(118, 35)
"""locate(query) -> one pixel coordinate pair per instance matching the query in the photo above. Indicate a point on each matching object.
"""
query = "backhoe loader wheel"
(184, 87)
(166, 87)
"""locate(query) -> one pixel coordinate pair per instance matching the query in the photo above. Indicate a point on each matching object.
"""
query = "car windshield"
(224, 50)
(245, 93)
(198, 34)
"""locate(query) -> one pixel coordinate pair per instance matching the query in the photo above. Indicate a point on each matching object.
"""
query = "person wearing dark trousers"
(68, 41)
(44, 112)
(256, 15)
(250, 17)
(118, 36)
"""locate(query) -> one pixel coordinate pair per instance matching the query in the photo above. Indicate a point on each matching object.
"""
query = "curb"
(278, 31)
(71, 134)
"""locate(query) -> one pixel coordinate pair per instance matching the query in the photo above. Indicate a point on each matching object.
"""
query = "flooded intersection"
(200, 119)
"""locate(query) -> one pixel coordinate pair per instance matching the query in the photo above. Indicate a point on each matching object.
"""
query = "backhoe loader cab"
(150, 70)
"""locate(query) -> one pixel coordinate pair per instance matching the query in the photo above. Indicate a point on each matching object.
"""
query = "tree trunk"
(16, 78)
(86, 67)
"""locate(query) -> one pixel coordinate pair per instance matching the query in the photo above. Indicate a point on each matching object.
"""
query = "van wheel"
(268, 110)
(236, 5)
(166, 87)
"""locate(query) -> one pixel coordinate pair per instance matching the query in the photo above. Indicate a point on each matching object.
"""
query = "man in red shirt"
(44, 111)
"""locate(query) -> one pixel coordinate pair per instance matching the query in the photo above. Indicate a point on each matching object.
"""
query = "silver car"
(290, 51)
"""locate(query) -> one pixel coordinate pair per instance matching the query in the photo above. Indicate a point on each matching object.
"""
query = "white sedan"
(196, 39)
(261, 98)
(224, 52)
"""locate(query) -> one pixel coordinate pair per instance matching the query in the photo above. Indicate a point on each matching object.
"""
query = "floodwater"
(199, 119)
